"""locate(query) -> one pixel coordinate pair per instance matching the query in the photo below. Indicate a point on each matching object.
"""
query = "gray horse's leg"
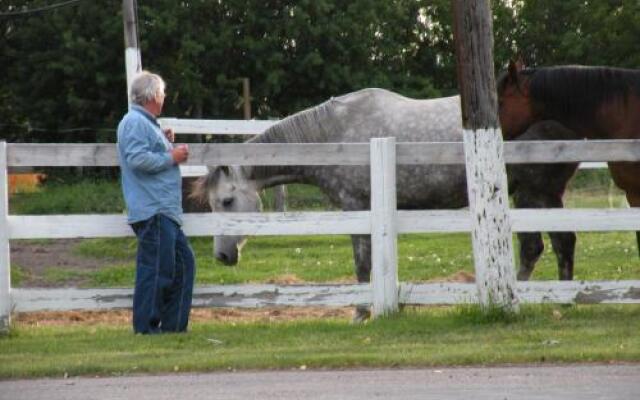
(362, 260)
(531, 247)
(564, 246)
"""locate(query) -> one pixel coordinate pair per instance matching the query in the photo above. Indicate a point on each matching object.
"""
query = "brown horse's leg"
(634, 201)
(531, 247)
(625, 176)
(564, 246)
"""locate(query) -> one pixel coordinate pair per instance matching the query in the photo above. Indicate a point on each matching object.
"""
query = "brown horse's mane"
(576, 92)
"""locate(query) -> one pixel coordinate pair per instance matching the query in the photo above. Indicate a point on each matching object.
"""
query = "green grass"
(326, 258)
(416, 337)
(17, 275)
(84, 197)
(428, 336)
(421, 257)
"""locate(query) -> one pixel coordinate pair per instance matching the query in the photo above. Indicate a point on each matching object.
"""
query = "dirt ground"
(123, 317)
(34, 258)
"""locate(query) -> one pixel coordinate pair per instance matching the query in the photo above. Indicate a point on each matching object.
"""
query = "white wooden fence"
(246, 128)
(213, 127)
(384, 222)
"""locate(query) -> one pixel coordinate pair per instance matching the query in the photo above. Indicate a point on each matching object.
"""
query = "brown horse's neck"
(596, 102)
(616, 119)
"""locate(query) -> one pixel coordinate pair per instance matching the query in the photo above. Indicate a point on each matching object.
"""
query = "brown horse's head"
(515, 106)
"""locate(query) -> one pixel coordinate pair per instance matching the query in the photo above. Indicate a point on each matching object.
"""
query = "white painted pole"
(133, 64)
(484, 157)
(384, 254)
(5, 264)
(490, 223)
(132, 57)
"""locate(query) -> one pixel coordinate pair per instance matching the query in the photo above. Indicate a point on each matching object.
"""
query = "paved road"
(510, 383)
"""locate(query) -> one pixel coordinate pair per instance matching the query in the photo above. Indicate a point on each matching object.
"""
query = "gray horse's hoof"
(361, 315)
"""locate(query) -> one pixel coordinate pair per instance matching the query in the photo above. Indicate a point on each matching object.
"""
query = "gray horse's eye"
(227, 202)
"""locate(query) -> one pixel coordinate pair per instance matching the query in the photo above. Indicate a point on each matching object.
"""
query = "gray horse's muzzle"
(226, 249)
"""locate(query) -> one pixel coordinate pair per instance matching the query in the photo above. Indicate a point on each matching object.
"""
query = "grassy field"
(416, 337)
(292, 259)
(425, 336)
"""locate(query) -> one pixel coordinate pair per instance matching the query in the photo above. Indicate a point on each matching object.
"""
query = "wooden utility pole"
(483, 147)
(246, 98)
(133, 60)
(279, 192)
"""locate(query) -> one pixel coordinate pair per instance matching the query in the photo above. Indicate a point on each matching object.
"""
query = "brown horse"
(594, 102)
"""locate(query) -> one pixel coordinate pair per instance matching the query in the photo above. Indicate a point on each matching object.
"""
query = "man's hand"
(169, 134)
(180, 153)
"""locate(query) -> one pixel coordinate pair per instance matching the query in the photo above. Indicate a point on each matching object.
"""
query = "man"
(151, 184)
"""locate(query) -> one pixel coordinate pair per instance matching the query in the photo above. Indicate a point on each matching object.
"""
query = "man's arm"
(137, 151)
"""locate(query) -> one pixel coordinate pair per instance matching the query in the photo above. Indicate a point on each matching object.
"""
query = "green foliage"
(63, 70)
(590, 32)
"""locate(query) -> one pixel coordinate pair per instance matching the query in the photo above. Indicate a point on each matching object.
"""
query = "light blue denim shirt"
(151, 181)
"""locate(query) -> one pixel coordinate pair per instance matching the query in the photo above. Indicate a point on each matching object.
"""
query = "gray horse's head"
(227, 189)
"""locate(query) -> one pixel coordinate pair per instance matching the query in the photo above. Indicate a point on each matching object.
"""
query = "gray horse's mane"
(313, 125)
(326, 122)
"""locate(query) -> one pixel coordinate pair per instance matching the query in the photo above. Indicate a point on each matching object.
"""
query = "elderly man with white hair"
(152, 187)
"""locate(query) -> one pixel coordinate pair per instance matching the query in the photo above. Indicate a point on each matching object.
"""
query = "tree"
(60, 70)
(589, 32)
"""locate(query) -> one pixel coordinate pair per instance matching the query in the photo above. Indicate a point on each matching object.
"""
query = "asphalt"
(567, 382)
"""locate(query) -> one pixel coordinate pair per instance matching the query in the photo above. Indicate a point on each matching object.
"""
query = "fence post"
(384, 254)
(5, 265)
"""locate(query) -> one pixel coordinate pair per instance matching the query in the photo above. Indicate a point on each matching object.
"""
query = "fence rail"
(308, 223)
(322, 223)
(253, 296)
(216, 126)
(248, 128)
(520, 152)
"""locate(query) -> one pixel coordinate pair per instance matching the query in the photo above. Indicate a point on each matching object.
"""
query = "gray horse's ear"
(218, 169)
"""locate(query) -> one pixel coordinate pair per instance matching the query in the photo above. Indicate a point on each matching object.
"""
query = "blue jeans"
(165, 270)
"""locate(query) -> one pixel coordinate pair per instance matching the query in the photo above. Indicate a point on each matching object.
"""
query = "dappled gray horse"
(358, 117)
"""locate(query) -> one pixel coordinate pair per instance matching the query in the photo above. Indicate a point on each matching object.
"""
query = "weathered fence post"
(384, 254)
(132, 57)
(483, 147)
(5, 264)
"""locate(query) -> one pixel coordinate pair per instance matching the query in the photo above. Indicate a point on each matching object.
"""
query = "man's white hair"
(145, 87)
